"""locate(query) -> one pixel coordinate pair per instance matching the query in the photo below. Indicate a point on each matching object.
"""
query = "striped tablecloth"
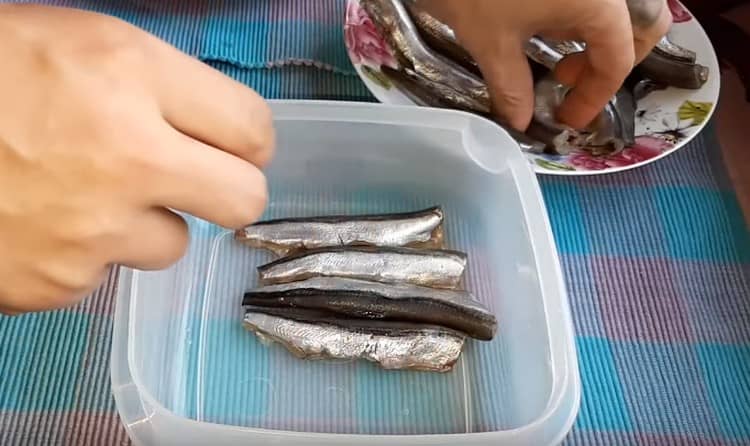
(657, 262)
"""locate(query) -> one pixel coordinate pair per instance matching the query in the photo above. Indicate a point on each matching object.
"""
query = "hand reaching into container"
(104, 129)
(618, 35)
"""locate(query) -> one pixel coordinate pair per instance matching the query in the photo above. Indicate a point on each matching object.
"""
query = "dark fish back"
(371, 305)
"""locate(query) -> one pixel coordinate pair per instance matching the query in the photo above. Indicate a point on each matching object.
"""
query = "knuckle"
(180, 239)
(175, 243)
(618, 67)
(83, 233)
(509, 100)
(126, 54)
(626, 60)
(249, 207)
(261, 138)
(76, 282)
(662, 25)
(47, 287)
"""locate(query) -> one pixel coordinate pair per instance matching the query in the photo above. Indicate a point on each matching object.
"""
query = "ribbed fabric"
(656, 261)
(247, 34)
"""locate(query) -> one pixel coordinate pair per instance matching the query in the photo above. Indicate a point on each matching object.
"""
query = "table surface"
(656, 261)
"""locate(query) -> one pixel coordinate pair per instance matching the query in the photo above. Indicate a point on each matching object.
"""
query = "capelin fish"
(639, 87)
(548, 53)
(615, 125)
(456, 309)
(428, 267)
(396, 26)
(542, 53)
(429, 78)
(421, 229)
(611, 131)
(669, 49)
(431, 94)
(673, 72)
(440, 37)
(396, 346)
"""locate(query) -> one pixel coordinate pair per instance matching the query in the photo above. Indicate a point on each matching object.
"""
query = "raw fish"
(429, 267)
(352, 298)
(422, 229)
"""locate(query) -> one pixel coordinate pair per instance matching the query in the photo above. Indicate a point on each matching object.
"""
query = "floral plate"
(665, 120)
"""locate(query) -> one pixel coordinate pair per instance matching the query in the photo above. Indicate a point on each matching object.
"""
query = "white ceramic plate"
(666, 120)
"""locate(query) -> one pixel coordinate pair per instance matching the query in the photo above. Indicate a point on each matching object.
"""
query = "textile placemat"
(656, 261)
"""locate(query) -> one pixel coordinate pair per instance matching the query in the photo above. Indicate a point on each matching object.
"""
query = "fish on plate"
(613, 128)
(439, 36)
(435, 70)
(354, 298)
(421, 229)
(673, 69)
(392, 345)
(437, 268)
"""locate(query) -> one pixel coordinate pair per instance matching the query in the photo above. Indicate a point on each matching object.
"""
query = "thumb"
(508, 75)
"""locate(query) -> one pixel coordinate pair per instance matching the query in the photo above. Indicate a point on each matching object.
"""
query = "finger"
(8, 311)
(207, 183)
(157, 239)
(509, 80)
(569, 69)
(209, 106)
(65, 287)
(646, 37)
(644, 13)
(609, 59)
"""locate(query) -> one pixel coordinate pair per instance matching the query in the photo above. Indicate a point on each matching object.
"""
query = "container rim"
(566, 377)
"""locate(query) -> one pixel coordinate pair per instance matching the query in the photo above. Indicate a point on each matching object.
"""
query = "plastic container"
(185, 371)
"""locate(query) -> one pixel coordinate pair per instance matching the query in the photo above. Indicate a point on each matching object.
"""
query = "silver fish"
(430, 94)
(644, 87)
(425, 74)
(456, 309)
(396, 26)
(548, 52)
(440, 37)
(415, 348)
(421, 229)
(613, 129)
(667, 63)
(433, 268)
(431, 78)
(670, 49)
(674, 72)
(433, 94)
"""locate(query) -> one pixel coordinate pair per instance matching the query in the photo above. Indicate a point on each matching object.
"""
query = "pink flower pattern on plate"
(366, 46)
(645, 148)
(679, 13)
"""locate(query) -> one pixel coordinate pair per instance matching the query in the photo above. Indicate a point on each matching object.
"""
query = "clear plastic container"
(185, 371)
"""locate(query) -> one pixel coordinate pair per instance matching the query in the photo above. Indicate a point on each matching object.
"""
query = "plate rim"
(713, 63)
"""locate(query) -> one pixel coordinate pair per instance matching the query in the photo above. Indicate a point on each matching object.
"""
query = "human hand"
(618, 35)
(103, 129)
